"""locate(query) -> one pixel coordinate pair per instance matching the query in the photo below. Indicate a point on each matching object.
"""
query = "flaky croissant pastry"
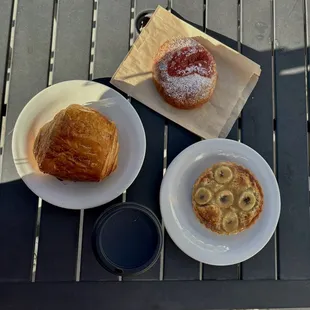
(79, 144)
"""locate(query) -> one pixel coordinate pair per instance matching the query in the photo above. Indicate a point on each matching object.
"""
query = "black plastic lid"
(127, 239)
(142, 19)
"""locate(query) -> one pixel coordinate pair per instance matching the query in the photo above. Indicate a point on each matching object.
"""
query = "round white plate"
(180, 221)
(43, 107)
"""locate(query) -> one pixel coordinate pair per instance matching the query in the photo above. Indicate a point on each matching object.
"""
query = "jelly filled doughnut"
(184, 73)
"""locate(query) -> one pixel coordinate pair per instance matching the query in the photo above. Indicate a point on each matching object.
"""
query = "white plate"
(43, 107)
(186, 231)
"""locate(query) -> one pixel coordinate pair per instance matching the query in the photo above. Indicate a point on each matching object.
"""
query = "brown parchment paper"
(237, 77)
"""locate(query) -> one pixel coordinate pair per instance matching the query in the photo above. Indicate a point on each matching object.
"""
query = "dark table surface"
(46, 261)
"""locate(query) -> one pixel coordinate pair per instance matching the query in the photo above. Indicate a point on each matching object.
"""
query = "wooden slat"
(112, 36)
(222, 21)
(72, 53)
(151, 174)
(29, 76)
(145, 189)
(166, 295)
(222, 24)
(191, 10)
(177, 264)
(291, 138)
(90, 268)
(5, 23)
(58, 243)
(257, 115)
(112, 42)
(142, 5)
(59, 228)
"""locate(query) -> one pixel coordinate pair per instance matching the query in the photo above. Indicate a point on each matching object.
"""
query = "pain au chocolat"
(79, 144)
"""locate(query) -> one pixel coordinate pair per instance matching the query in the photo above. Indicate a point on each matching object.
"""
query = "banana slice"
(202, 196)
(223, 175)
(224, 198)
(247, 201)
(230, 222)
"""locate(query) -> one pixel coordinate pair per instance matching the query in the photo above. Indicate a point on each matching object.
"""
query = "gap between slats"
(306, 22)
(306, 18)
(166, 132)
(6, 90)
(307, 68)
(239, 120)
(306, 32)
(204, 25)
(162, 254)
(274, 127)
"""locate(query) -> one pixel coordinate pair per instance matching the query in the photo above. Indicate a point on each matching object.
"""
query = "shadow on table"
(17, 229)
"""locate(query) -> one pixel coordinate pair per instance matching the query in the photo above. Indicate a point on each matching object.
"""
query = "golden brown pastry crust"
(212, 214)
(191, 90)
(79, 144)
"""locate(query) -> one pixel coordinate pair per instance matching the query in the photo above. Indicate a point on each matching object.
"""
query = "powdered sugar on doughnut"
(182, 87)
(190, 81)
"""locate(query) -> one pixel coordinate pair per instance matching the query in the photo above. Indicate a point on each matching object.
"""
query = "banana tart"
(227, 198)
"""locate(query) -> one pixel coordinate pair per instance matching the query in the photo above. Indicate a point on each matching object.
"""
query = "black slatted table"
(46, 261)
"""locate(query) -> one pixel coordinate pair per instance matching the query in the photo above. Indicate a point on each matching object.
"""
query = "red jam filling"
(190, 60)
